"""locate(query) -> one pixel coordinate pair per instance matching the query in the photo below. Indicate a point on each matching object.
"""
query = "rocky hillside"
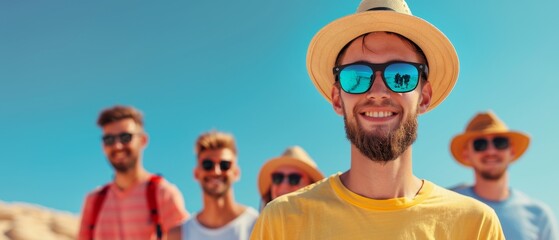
(20, 221)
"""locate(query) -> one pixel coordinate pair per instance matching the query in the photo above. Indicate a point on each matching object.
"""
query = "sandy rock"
(20, 221)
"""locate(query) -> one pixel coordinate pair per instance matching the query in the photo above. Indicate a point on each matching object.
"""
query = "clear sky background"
(239, 66)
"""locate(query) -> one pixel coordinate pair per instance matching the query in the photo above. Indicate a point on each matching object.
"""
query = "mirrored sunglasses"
(293, 178)
(111, 139)
(398, 76)
(209, 165)
(481, 144)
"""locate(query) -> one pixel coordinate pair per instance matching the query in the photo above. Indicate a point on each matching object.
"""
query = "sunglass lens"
(294, 179)
(356, 78)
(207, 165)
(401, 77)
(480, 144)
(224, 165)
(125, 137)
(501, 143)
(277, 178)
(108, 140)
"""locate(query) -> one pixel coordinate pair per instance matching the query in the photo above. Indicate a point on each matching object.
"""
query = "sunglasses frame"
(421, 68)
(293, 179)
(117, 138)
(224, 165)
(494, 141)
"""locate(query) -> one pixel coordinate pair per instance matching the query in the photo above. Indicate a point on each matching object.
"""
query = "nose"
(118, 145)
(378, 90)
(216, 170)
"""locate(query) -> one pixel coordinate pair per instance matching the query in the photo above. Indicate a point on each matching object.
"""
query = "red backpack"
(151, 192)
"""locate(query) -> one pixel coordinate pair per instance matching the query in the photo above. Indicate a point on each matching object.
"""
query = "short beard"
(217, 194)
(492, 176)
(382, 147)
(125, 166)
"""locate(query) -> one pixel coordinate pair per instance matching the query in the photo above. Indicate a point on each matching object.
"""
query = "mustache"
(115, 152)
(492, 156)
(371, 103)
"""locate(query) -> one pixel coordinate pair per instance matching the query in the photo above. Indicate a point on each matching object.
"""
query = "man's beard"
(124, 166)
(382, 146)
(219, 191)
(491, 175)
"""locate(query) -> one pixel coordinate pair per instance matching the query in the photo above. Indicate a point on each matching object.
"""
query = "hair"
(119, 112)
(418, 50)
(215, 140)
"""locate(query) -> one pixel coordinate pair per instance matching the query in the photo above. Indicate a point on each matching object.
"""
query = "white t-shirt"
(238, 229)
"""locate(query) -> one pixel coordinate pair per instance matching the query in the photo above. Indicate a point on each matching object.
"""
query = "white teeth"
(378, 114)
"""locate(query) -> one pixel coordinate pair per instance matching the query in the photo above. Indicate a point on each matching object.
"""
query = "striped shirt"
(125, 214)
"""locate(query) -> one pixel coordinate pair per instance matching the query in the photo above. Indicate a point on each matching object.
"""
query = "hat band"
(381, 9)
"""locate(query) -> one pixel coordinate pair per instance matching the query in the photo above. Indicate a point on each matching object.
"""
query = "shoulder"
(304, 198)
(167, 188)
(250, 213)
(462, 188)
(454, 201)
(535, 206)
(95, 192)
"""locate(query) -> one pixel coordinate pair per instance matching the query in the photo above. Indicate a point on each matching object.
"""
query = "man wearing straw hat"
(489, 147)
(354, 62)
(287, 173)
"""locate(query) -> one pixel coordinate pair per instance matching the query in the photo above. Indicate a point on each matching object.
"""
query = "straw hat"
(389, 16)
(293, 156)
(486, 123)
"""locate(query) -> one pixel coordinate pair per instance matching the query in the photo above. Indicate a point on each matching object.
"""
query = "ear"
(425, 97)
(144, 139)
(196, 172)
(337, 100)
(236, 172)
(512, 152)
(466, 155)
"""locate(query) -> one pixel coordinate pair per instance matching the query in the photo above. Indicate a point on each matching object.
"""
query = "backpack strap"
(152, 203)
(97, 204)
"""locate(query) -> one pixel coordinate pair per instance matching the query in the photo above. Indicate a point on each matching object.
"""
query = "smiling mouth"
(378, 114)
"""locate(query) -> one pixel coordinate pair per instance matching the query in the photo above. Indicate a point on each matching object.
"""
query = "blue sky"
(239, 66)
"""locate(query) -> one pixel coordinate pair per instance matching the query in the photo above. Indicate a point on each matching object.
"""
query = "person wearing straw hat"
(217, 169)
(287, 173)
(489, 147)
(353, 62)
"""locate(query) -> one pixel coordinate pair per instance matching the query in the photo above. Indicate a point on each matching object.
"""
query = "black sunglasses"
(293, 178)
(481, 144)
(111, 139)
(398, 76)
(209, 165)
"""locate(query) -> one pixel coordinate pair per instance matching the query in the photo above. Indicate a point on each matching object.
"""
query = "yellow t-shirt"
(328, 210)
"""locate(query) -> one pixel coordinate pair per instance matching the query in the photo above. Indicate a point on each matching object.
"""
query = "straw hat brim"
(439, 51)
(264, 177)
(519, 142)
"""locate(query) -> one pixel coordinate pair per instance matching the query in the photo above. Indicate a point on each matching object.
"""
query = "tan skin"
(368, 178)
(121, 153)
(220, 207)
(494, 162)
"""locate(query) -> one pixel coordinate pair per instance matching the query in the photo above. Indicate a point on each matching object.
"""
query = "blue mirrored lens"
(401, 77)
(356, 78)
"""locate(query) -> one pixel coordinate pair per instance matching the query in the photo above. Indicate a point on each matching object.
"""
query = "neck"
(379, 180)
(219, 211)
(128, 179)
(492, 190)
